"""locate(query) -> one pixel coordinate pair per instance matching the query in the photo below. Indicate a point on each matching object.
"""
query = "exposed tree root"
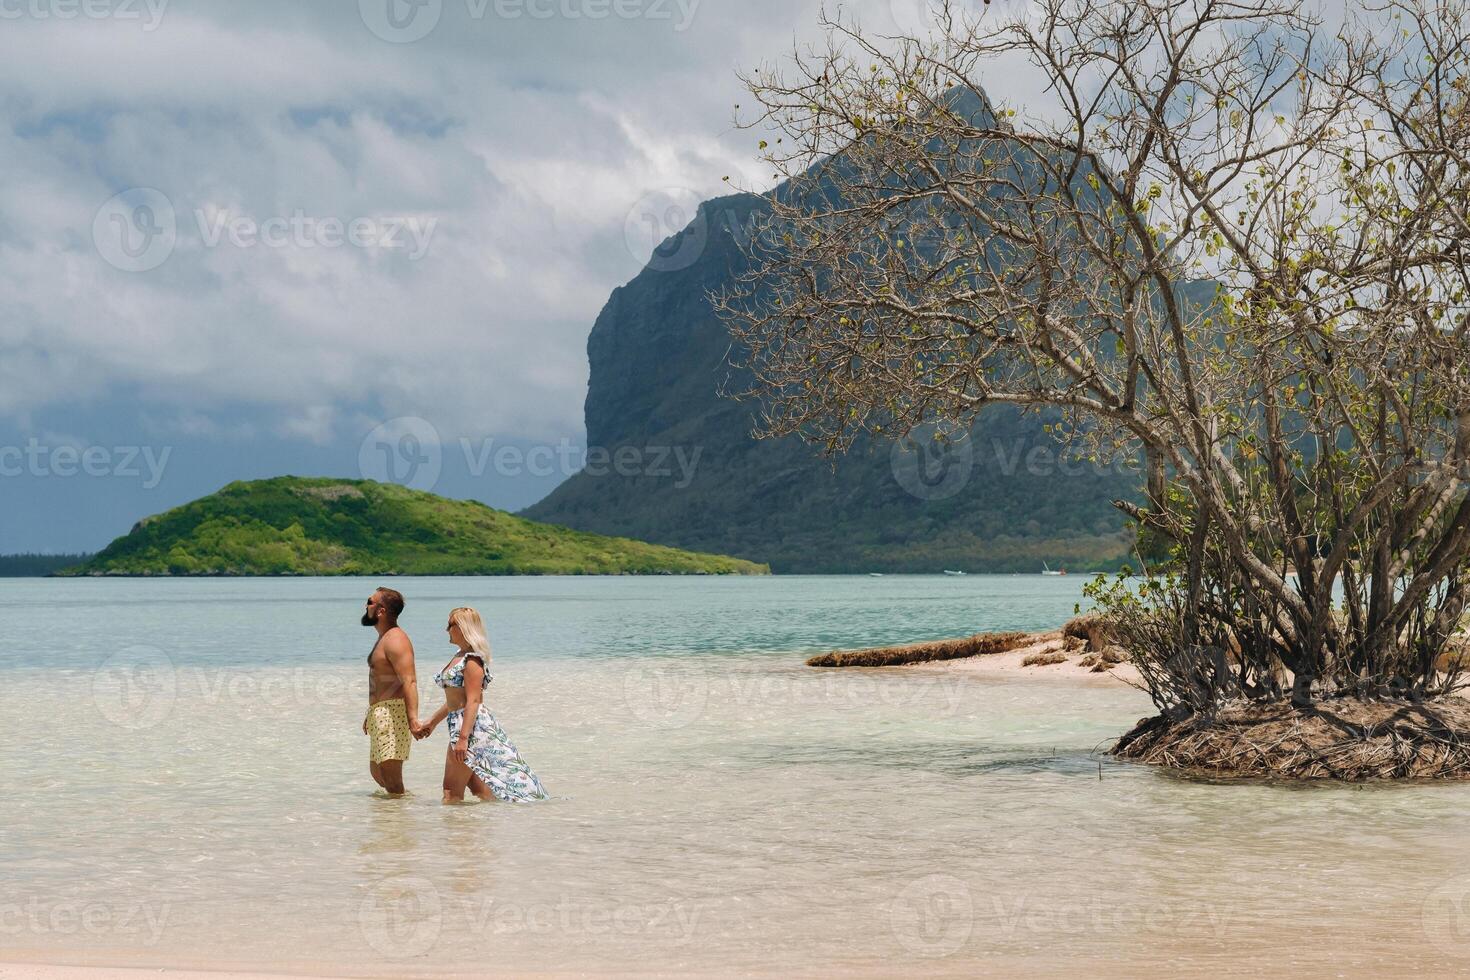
(1344, 739)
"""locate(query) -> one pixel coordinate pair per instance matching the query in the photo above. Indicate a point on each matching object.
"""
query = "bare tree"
(1232, 240)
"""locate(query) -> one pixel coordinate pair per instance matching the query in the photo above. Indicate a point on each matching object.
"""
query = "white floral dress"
(492, 756)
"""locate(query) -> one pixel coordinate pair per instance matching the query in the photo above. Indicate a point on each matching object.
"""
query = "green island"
(323, 526)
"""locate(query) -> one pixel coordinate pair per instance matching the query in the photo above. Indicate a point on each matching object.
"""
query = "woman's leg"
(478, 787)
(457, 776)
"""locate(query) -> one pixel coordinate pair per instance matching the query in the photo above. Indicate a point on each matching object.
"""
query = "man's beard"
(369, 619)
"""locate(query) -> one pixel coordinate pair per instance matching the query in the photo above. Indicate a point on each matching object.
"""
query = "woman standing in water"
(481, 755)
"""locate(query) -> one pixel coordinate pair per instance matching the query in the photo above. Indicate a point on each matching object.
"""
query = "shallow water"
(186, 784)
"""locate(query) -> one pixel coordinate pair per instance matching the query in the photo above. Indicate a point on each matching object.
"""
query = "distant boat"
(875, 575)
(1046, 570)
(951, 571)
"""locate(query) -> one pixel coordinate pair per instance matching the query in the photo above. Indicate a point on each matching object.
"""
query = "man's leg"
(392, 773)
(377, 772)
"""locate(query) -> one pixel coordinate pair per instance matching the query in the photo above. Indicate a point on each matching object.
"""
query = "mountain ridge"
(659, 360)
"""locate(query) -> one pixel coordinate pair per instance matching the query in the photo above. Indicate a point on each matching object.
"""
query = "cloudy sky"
(240, 236)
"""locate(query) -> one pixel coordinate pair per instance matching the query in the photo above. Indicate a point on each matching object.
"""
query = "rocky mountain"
(1003, 500)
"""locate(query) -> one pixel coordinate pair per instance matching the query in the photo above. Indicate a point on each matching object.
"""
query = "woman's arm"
(427, 728)
(474, 684)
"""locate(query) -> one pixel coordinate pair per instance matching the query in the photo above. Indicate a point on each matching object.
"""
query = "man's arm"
(400, 654)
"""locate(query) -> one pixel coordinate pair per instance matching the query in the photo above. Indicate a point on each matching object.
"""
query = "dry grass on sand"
(1344, 739)
(981, 644)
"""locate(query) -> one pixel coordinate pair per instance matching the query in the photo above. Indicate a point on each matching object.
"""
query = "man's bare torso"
(384, 684)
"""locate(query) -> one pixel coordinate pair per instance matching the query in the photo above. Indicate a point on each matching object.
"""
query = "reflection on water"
(188, 783)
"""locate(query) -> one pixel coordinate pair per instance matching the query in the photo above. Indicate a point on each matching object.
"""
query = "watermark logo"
(136, 230)
(135, 688)
(669, 227)
(934, 916)
(921, 18)
(405, 450)
(37, 459)
(666, 696)
(411, 234)
(401, 21)
(139, 229)
(671, 694)
(407, 21)
(140, 688)
(917, 18)
(931, 464)
(402, 917)
(1445, 917)
(676, 463)
(150, 12)
(137, 923)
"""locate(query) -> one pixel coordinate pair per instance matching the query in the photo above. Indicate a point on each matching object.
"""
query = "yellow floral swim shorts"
(387, 725)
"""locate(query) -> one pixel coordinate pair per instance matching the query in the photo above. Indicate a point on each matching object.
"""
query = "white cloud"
(525, 142)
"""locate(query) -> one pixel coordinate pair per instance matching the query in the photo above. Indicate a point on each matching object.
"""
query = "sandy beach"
(1042, 647)
(31, 971)
(989, 967)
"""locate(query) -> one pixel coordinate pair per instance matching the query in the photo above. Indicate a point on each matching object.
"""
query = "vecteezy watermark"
(936, 916)
(671, 696)
(920, 18)
(35, 458)
(140, 922)
(401, 21)
(303, 231)
(135, 688)
(1034, 918)
(670, 228)
(403, 917)
(149, 12)
(1445, 917)
(407, 21)
(138, 230)
(932, 464)
(564, 459)
(410, 451)
(405, 450)
(673, 693)
(139, 688)
(1043, 460)
(917, 18)
(933, 916)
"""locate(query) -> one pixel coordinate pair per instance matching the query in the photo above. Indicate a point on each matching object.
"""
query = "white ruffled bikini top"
(453, 675)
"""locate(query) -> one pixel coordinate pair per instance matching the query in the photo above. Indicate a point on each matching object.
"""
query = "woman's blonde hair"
(473, 628)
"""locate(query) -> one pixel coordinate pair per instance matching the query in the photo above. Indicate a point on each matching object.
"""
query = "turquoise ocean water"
(186, 785)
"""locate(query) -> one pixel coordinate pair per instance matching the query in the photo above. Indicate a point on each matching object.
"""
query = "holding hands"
(422, 730)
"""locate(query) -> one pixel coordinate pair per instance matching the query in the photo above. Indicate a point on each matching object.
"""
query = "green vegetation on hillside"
(296, 526)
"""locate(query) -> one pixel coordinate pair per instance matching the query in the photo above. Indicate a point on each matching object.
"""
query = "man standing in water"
(393, 691)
